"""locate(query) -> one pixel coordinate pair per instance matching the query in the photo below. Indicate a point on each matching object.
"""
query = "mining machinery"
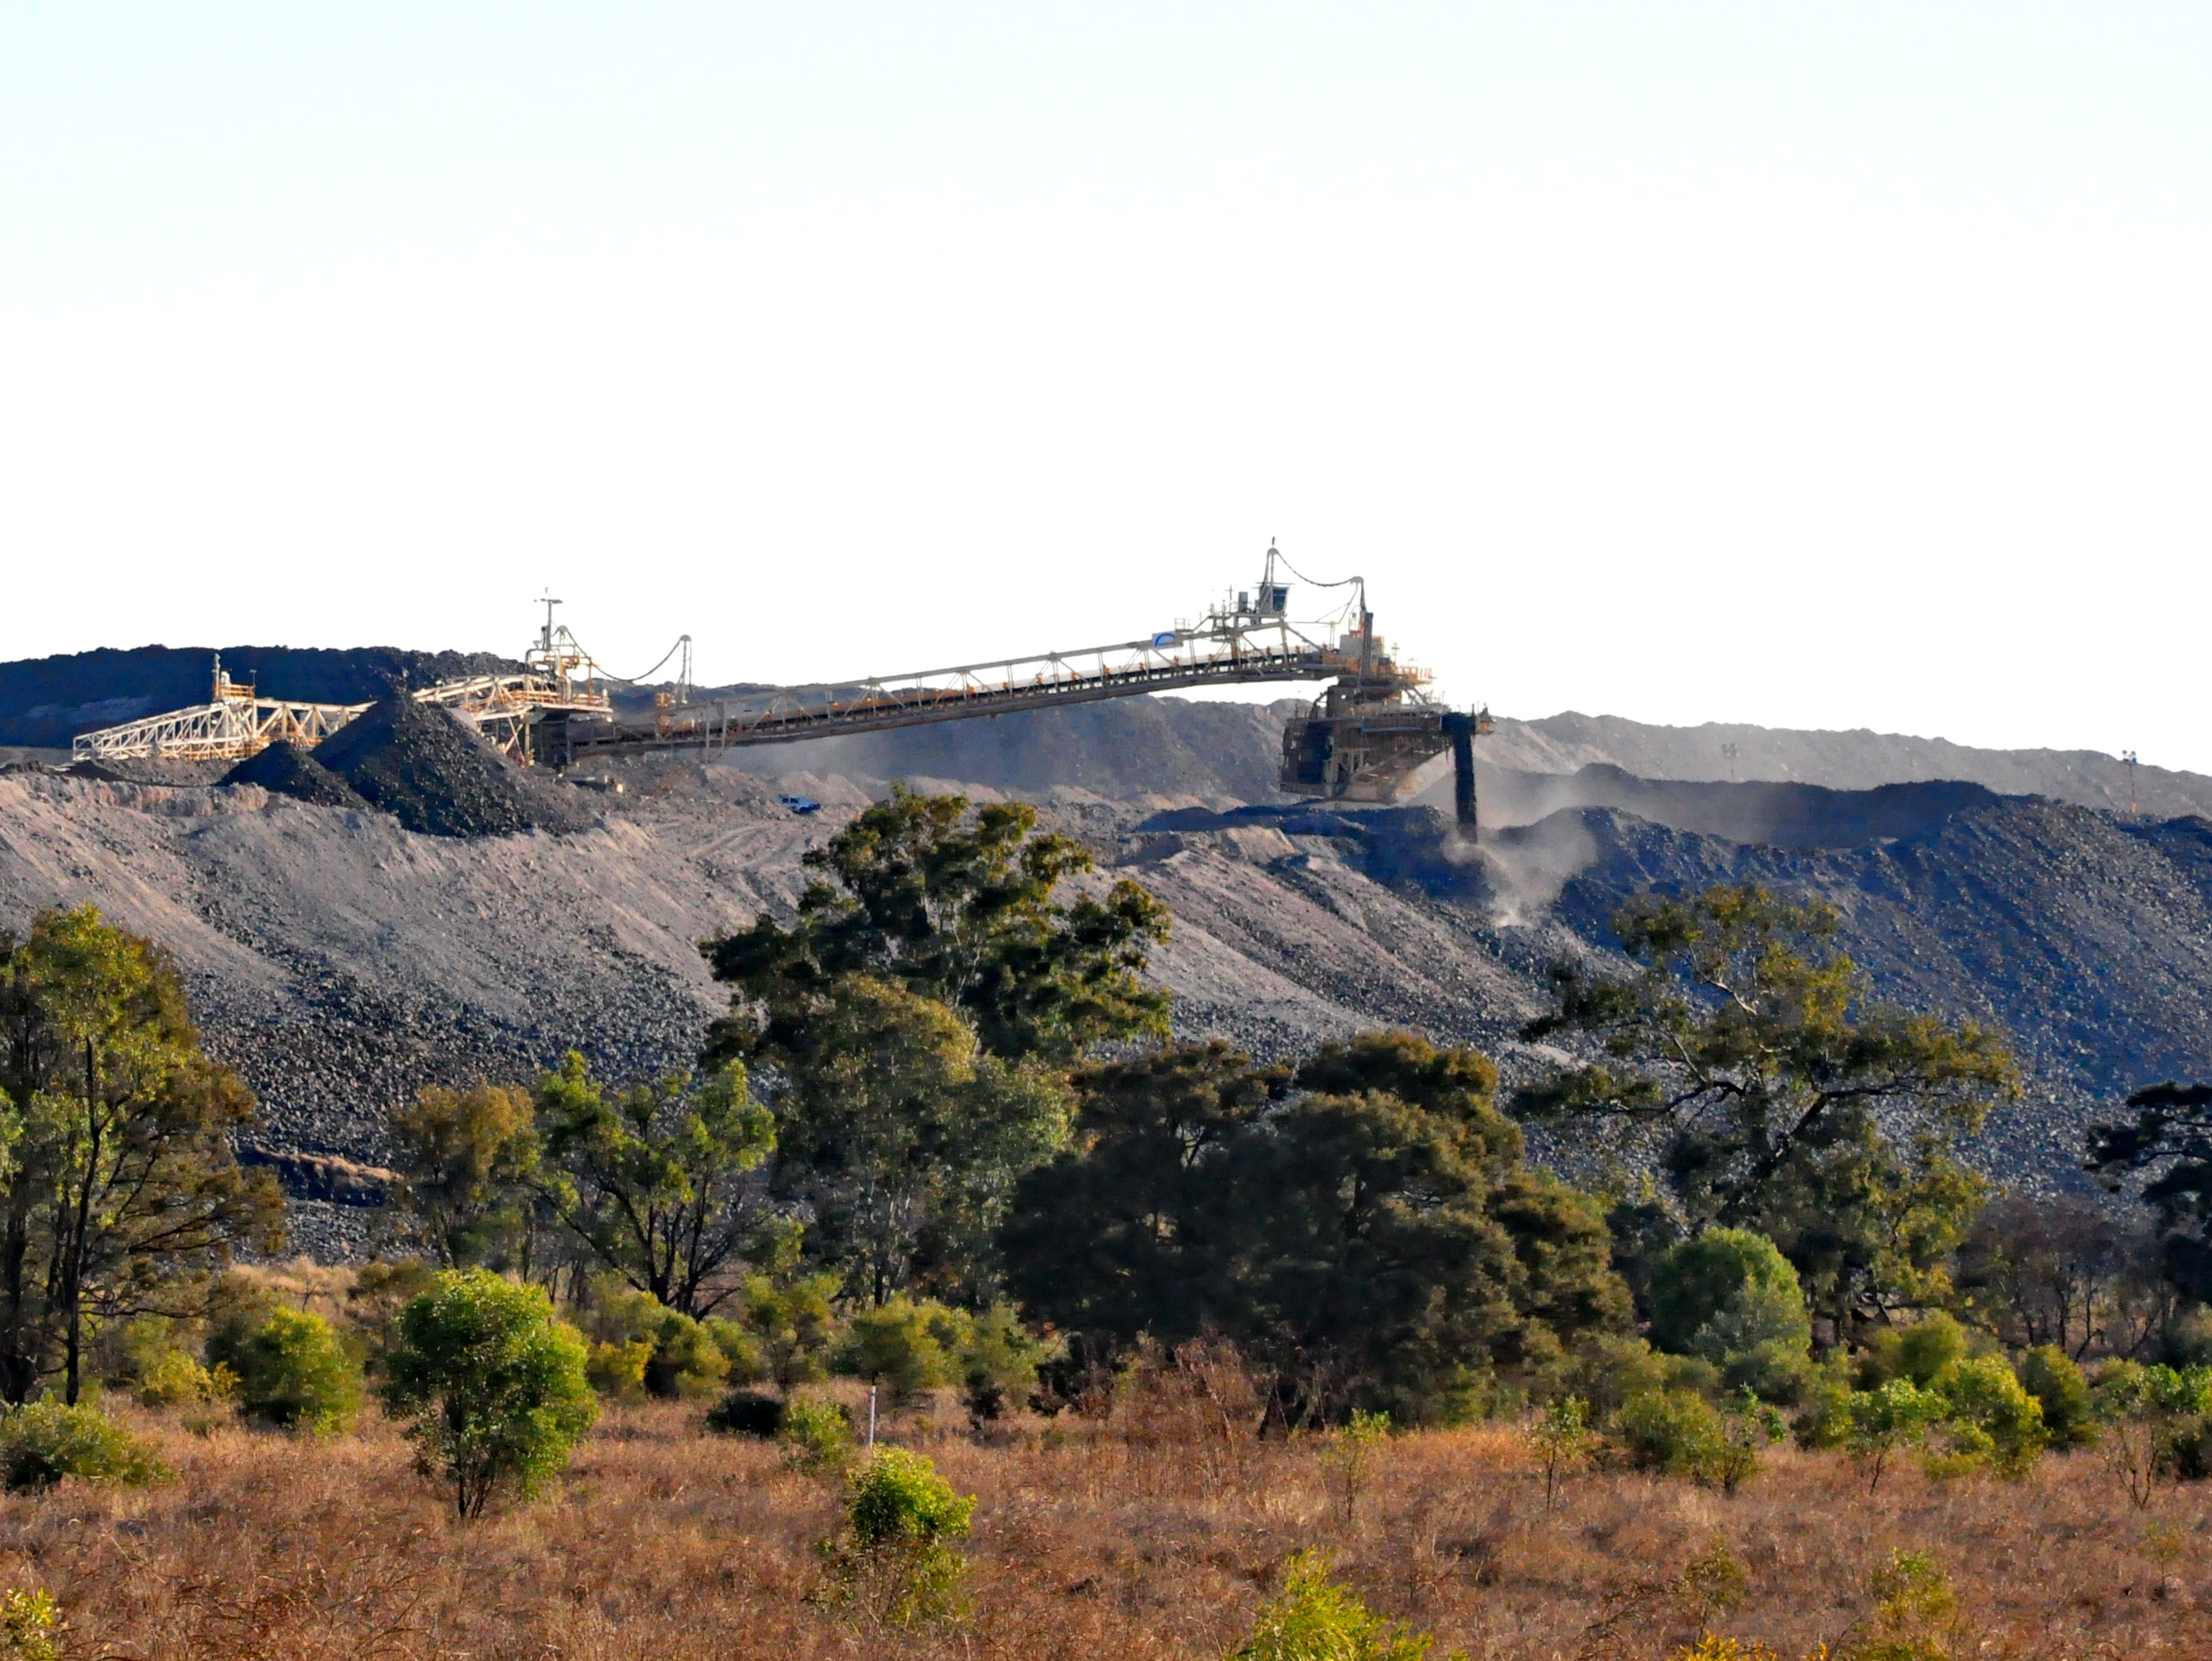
(1370, 736)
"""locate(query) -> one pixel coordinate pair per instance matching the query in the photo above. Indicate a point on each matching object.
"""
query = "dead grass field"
(664, 1542)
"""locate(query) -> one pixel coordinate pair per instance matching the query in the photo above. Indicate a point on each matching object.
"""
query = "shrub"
(788, 1316)
(1673, 1432)
(494, 1383)
(27, 1626)
(1916, 1615)
(292, 1372)
(1918, 1352)
(175, 1379)
(1731, 1299)
(999, 1362)
(1562, 1439)
(1983, 1395)
(1714, 1582)
(906, 1346)
(379, 1291)
(1887, 1420)
(640, 1346)
(2156, 1423)
(617, 1370)
(1608, 1369)
(1352, 1451)
(893, 1556)
(745, 1412)
(2070, 1417)
(42, 1442)
(1714, 1647)
(816, 1434)
(1314, 1619)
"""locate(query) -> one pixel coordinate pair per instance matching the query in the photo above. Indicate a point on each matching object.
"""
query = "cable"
(633, 680)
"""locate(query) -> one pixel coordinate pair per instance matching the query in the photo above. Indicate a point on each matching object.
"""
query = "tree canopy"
(122, 1194)
(904, 1139)
(651, 1181)
(1376, 1249)
(466, 1161)
(1749, 1057)
(960, 905)
(2170, 1138)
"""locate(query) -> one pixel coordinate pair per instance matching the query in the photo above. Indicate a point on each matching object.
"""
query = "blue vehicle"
(799, 804)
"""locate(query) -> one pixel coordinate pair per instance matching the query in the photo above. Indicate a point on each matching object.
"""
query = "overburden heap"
(420, 765)
(289, 770)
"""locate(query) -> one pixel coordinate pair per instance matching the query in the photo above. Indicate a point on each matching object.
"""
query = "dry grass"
(665, 1543)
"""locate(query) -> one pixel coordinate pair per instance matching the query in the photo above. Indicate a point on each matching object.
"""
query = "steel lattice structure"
(1365, 739)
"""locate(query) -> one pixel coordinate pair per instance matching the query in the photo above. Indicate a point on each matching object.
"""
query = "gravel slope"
(341, 961)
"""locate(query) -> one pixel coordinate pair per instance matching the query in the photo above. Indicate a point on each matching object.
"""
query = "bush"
(1678, 1432)
(1889, 1420)
(42, 1442)
(2157, 1423)
(495, 1386)
(1983, 1395)
(1731, 1299)
(1562, 1442)
(788, 1316)
(905, 1346)
(616, 1371)
(175, 1379)
(816, 1434)
(1918, 1352)
(1673, 1432)
(1608, 1369)
(292, 1372)
(1916, 1615)
(746, 1412)
(1314, 1619)
(2070, 1417)
(27, 1626)
(893, 1555)
(999, 1362)
(641, 1348)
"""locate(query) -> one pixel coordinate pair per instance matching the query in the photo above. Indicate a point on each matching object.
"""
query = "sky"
(1808, 365)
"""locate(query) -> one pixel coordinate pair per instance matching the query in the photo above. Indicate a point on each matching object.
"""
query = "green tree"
(2170, 1138)
(655, 1182)
(1377, 1252)
(959, 906)
(467, 1160)
(1730, 1297)
(292, 1371)
(894, 1558)
(494, 1385)
(1748, 1056)
(1126, 1233)
(789, 1312)
(122, 1195)
(905, 1140)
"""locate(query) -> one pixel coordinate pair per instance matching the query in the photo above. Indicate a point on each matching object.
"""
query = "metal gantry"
(238, 722)
(1364, 739)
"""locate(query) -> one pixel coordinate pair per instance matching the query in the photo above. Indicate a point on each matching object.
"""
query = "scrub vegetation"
(947, 1305)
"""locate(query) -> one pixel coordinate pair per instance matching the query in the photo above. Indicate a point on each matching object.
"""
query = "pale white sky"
(1812, 364)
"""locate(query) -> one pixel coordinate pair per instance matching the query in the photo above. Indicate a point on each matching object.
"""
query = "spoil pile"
(420, 765)
(289, 770)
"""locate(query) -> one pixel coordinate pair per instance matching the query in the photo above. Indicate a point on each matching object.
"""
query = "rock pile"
(417, 763)
(289, 770)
